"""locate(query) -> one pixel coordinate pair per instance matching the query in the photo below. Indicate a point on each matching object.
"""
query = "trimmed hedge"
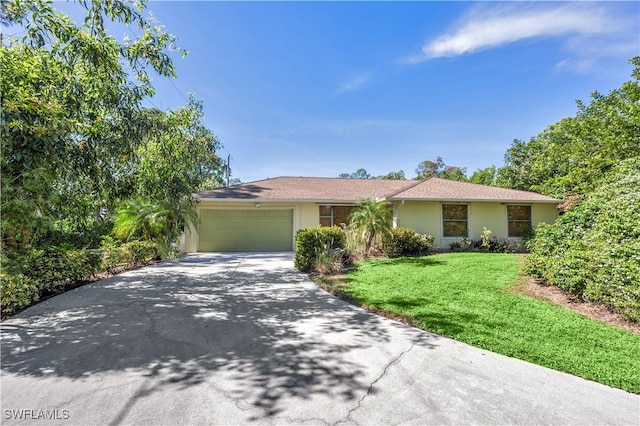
(406, 242)
(130, 253)
(27, 277)
(312, 242)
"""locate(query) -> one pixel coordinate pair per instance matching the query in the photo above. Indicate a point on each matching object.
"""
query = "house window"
(334, 215)
(519, 220)
(326, 215)
(455, 220)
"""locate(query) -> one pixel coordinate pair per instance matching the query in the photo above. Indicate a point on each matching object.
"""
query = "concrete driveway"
(237, 339)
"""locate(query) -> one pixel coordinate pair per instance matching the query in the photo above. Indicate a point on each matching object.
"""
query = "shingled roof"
(309, 189)
(313, 189)
(437, 189)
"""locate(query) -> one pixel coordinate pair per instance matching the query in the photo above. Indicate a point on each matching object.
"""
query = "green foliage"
(176, 157)
(363, 174)
(128, 254)
(69, 108)
(76, 140)
(27, 277)
(371, 220)
(488, 244)
(329, 261)
(311, 243)
(160, 223)
(485, 238)
(399, 175)
(406, 242)
(358, 174)
(438, 168)
(16, 293)
(55, 267)
(83, 235)
(573, 154)
(486, 176)
(592, 249)
(466, 296)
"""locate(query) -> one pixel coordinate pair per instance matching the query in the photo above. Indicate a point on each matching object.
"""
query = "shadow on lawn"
(449, 324)
(178, 325)
(413, 261)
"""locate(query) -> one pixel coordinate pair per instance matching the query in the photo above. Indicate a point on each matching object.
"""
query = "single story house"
(265, 215)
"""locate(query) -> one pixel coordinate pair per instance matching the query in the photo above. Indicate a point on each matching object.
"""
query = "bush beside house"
(314, 244)
(406, 242)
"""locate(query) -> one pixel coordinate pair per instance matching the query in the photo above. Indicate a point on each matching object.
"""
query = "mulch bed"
(538, 289)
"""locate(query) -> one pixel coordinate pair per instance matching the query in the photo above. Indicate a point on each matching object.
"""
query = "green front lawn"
(464, 296)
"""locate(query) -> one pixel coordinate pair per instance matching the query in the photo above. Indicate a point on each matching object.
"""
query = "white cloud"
(486, 28)
(355, 83)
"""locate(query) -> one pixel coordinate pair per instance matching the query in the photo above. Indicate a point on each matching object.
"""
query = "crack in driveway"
(393, 361)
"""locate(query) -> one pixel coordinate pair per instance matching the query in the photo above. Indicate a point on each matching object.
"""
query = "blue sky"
(321, 88)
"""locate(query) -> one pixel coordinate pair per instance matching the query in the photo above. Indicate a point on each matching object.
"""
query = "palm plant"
(158, 222)
(371, 219)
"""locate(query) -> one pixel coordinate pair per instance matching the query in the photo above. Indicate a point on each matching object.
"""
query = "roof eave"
(282, 200)
(472, 200)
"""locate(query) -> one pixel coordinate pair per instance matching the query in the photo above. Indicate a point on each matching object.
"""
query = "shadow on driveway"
(262, 328)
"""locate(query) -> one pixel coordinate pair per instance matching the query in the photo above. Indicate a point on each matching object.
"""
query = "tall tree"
(358, 174)
(438, 168)
(74, 133)
(399, 175)
(574, 153)
(486, 176)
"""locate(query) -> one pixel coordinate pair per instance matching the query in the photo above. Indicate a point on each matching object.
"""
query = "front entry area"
(245, 230)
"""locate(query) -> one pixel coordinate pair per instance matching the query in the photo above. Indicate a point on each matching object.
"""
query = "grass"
(464, 296)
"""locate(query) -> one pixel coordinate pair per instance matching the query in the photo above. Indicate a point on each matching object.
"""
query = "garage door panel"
(245, 230)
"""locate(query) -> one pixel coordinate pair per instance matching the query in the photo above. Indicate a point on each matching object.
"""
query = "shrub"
(312, 242)
(130, 253)
(488, 244)
(17, 292)
(485, 238)
(54, 267)
(406, 242)
(592, 250)
(27, 277)
(330, 261)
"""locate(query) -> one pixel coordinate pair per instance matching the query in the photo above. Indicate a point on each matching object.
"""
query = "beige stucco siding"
(425, 217)
(308, 216)
(543, 213)
(492, 216)
(422, 217)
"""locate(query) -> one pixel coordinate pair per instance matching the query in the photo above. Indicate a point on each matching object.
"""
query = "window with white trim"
(518, 220)
(455, 220)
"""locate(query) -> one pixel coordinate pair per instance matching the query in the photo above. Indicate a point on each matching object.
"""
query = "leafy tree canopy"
(76, 141)
(486, 176)
(573, 154)
(358, 174)
(438, 168)
(399, 175)
(363, 174)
